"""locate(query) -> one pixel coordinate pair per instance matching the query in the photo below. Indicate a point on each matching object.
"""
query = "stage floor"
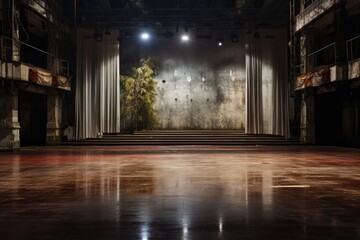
(180, 192)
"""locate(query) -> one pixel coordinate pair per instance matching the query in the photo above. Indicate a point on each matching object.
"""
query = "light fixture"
(205, 36)
(98, 36)
(220, 42)
(145, 36)
(107, 31)
(185, 38)
(256, 35)
(166, 34)
(234, 37)
(128, 35)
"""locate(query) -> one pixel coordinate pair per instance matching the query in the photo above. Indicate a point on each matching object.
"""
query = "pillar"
(9, 123)
(307, 117)
(54, 118)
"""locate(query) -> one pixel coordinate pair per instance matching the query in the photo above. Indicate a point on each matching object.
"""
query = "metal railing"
(353, 48)
(59, 66)
(322, 57)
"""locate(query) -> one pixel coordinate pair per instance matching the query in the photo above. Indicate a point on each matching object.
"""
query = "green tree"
(138, 95)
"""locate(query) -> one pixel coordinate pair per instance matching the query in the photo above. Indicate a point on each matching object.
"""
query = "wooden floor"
(180, 192)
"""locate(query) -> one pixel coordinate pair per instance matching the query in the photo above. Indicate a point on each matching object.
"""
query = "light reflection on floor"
(180, 193)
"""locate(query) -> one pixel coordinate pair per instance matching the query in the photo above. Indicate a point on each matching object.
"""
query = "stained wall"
(200, 85)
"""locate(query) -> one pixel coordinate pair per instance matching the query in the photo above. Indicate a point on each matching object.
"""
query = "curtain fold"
(253, 69)
(267, 87)
(97, 100)
(281, 98)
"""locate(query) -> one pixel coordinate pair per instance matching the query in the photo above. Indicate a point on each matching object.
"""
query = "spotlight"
(166, 34)
(145, 36)
(234, 38)
(185, 38)
(187, 26)
(205, 36)
(220, 42)
(98, 37)
(256, 35)
(128, 35)
(107, 32)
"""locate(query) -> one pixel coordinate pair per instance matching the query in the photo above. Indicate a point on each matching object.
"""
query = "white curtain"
(267, 84)
(97, 108)
(253, 68)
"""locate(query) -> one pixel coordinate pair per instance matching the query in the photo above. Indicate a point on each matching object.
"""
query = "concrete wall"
(200, 85)
(9, 124)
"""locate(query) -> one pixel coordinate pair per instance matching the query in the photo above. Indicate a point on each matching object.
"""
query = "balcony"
(321, 68)
(313, 11)
(56, 76)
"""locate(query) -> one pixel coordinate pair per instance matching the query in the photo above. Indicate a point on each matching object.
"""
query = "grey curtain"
(267, 92)
(97, 106)
(253, 68)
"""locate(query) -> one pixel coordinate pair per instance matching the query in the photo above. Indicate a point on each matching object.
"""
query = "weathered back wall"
(200, 85)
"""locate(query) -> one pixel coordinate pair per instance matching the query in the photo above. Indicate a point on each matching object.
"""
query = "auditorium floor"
(175, 192)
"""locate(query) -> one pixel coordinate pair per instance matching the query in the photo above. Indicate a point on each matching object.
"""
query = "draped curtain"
(97, 106)
(267, 93)
(253, 68)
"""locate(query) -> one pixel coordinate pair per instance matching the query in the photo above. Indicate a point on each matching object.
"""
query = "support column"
(9, 122)
(307, 117)
(54, 118)
(16, 45)
(341, 24)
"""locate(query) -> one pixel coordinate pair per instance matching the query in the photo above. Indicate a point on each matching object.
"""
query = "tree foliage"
(138, 95)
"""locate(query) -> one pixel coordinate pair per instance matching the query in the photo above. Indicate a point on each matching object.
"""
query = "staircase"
(186, 137)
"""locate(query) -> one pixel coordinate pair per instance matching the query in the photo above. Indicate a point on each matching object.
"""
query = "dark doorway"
(328, 119)
(32, 118)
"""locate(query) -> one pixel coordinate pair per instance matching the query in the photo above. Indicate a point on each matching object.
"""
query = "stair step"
(186, 137)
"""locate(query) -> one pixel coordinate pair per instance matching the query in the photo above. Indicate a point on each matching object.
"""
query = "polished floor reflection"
(182, 193)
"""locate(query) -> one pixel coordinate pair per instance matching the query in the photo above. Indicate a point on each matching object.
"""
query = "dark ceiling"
(197, 14)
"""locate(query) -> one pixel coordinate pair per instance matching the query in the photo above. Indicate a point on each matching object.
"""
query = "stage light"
(234, 38)
(168, 34)
(128, 35)
(98, 36)
(220, 42)
(185, 38)
(256, 35)
(145, 36)
(107, 31)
